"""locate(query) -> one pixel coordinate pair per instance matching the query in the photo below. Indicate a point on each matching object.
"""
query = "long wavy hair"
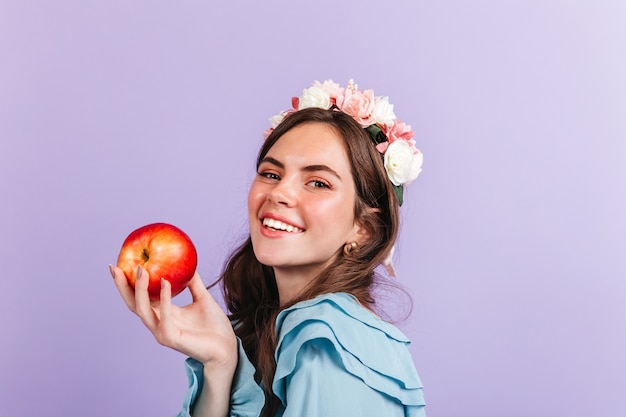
(249, 287)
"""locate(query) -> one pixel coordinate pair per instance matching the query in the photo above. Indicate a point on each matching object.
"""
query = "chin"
(267, 258)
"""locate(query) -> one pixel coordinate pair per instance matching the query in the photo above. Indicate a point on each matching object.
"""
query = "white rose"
(332, 88)
(416, 166)
(401, 163)
(383, 111)
(314, 97)
(275, 120)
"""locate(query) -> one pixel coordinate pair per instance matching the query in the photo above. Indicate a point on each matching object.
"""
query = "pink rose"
(400, 131)
(359, 105)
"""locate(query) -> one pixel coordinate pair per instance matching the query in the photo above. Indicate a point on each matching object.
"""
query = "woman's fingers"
(165, 297)
(166, 322)
(157, 316)
(125, 290)
(197, 288)
(143, 308)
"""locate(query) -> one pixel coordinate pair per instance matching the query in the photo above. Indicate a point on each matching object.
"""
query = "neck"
(291, 282)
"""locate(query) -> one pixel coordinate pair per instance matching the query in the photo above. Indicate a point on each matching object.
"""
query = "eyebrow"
(308, 168)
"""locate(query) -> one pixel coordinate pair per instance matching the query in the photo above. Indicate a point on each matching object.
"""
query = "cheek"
(336, 215)
(256, 197)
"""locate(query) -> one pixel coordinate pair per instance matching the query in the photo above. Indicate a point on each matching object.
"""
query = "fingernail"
(162, 282)
(112, 270)
(139, 272)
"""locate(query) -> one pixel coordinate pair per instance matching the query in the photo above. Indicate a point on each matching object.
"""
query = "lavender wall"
(119, 113)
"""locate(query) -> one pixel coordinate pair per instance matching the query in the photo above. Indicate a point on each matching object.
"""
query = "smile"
(278, 225)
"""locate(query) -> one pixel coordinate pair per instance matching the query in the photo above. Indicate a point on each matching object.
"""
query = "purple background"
(120, 113)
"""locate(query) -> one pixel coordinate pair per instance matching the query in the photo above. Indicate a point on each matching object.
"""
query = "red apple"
(164, 251)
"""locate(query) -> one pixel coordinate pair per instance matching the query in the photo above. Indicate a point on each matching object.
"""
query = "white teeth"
(278, 225)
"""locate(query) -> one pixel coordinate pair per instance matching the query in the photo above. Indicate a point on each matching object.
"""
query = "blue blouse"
(334, 358)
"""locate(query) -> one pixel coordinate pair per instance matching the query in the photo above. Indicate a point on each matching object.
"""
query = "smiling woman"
(304, 181)
(301, 337)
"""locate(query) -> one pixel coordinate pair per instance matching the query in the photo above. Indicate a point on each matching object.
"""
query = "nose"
(283, 193)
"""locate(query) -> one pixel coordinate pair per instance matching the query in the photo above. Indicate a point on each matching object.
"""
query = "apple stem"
(146, 257)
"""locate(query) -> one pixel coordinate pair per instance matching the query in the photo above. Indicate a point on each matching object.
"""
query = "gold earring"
(348, 248)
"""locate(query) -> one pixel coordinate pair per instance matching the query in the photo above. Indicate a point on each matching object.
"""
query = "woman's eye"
(318, 184)
(269, 175)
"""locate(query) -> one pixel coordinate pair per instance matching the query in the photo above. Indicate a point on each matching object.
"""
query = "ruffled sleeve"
(246, 398)
(336, 358)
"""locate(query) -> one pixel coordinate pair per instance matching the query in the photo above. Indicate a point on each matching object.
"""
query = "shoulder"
(372, 350)
(339, 313)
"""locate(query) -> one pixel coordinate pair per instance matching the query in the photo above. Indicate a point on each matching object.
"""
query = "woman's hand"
(200, 330)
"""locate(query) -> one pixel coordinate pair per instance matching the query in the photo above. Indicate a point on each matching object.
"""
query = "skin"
(304, 181)
(200, 330)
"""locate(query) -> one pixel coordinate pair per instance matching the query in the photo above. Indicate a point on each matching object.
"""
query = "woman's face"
(301, 203)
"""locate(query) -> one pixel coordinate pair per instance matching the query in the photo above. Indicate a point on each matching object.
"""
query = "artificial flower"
(393, 138)
(358, 104)
(276, 119)
(400, 131)
(402, 164)
(383, 111)
(314, 97)
(397, 131)
(331, 88)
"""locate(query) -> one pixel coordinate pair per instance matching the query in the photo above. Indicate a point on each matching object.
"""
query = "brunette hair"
(250, 288)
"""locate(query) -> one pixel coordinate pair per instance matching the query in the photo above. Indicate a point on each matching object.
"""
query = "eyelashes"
(318, 184)
(313, 183)
(269, 175)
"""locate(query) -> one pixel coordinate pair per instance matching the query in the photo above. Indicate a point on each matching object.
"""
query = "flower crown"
(393, 138)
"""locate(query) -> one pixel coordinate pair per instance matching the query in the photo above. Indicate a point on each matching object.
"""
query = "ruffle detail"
(372, 350)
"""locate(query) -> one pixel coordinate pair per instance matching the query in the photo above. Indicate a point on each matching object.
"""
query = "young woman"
(302, 338)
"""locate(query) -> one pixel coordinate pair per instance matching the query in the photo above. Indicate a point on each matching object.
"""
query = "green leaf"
(398, 190)
(376, 133)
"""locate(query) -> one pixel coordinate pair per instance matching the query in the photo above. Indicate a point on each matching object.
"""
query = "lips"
(272, 222)
(280, 225)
